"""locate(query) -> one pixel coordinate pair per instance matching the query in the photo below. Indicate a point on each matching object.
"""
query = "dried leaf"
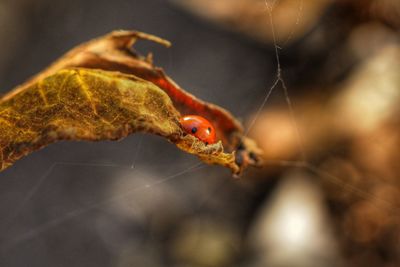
(103, 90)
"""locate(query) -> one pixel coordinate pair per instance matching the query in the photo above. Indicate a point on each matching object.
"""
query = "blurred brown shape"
(351, 137)
(387, 11)
(291, 19)
(202, 243)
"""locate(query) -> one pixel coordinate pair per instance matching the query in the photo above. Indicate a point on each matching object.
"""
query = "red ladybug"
(199, 127)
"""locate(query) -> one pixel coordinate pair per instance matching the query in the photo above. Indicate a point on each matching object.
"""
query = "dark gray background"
(79, 203)
(43, 220)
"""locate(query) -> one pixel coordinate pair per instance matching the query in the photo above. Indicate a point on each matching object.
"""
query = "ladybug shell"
(199, 127)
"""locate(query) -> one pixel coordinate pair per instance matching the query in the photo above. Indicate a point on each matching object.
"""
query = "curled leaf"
(103, 90)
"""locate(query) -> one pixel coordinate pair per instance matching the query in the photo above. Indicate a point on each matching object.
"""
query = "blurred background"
(328, 194)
